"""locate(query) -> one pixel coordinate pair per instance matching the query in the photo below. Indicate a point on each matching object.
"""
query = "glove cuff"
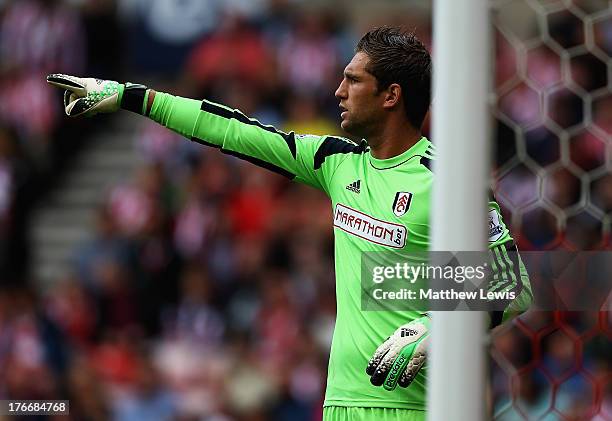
(133, 97)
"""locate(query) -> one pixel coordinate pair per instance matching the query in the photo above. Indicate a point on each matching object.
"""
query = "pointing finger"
(71, 83)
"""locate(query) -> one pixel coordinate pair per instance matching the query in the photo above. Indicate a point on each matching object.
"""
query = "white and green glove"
(89, 96)
(399, 359)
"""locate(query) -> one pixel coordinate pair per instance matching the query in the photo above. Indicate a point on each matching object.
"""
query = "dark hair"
(399, 57)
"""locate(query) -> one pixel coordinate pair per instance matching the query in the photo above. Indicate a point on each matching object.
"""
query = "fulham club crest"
(401, 204)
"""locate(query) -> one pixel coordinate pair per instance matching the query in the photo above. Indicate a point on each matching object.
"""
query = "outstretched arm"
(305, 158)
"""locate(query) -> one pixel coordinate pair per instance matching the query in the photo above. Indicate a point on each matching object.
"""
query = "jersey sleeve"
(508, 271)
(304, 158)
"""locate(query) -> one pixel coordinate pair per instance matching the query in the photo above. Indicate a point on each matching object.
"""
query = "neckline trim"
(395, 161)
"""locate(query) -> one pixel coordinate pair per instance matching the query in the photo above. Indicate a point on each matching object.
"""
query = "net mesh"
(552, 113)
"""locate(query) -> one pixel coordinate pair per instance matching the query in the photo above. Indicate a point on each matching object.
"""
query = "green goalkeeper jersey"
(378, 205)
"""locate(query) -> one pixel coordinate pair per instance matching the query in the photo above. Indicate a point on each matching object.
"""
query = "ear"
(393, 95)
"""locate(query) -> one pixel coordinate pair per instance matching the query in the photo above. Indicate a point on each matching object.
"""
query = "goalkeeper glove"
(399, 359)
(89, 96)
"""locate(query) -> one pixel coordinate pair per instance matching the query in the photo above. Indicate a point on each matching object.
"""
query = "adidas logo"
(355, 186)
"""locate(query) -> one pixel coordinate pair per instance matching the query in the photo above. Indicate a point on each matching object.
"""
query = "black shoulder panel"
(426, 162)
(333, 145)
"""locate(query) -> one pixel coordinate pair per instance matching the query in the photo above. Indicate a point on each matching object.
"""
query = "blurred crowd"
(207, 292)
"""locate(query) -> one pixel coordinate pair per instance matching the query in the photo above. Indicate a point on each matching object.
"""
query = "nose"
(341, 91)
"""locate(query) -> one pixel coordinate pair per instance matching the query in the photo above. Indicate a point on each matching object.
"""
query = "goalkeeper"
(380, 191)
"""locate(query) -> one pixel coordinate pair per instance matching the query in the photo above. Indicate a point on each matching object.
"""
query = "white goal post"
(460, 130)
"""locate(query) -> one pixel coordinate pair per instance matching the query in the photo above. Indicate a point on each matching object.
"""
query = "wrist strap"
(134, 97)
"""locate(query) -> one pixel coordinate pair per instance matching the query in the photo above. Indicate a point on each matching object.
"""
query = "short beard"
(359, 131)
